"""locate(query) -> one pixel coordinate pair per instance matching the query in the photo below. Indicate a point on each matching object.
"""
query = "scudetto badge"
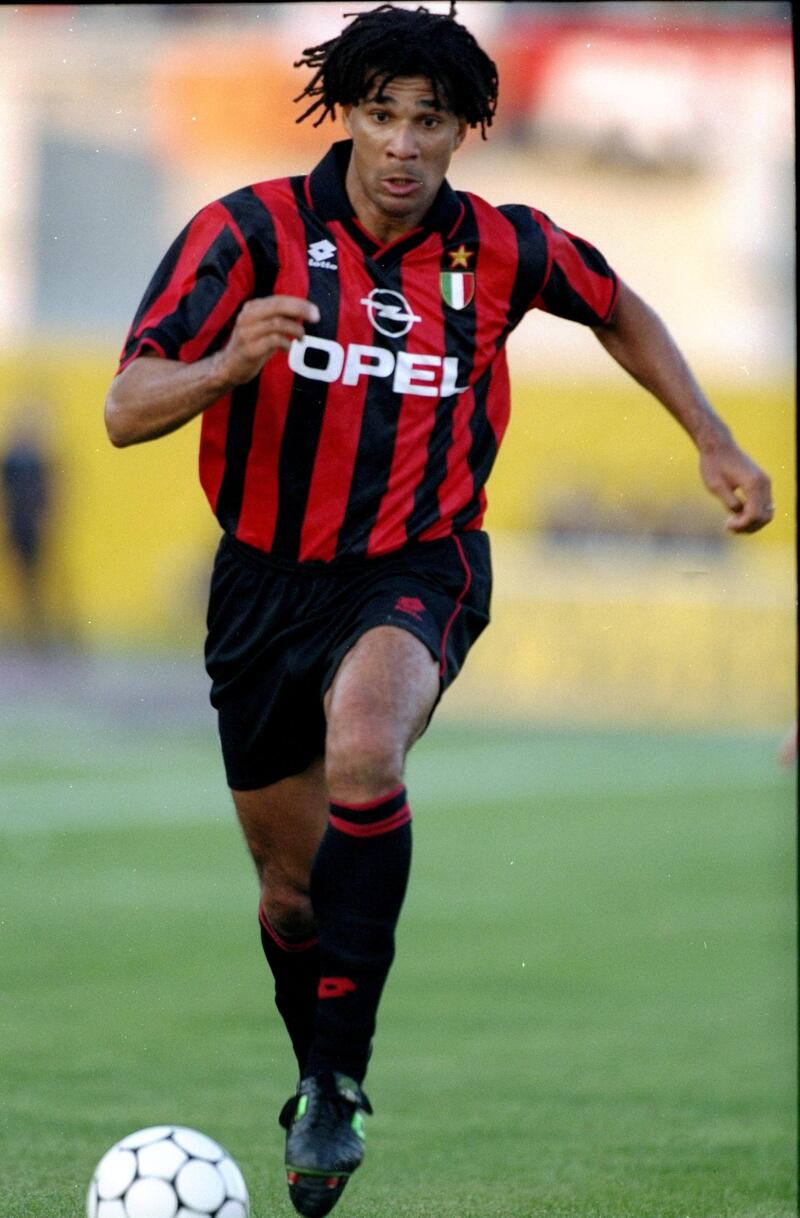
(458, 288)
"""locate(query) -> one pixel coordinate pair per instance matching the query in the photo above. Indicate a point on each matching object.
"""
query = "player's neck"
(384, 232)
(384, 228)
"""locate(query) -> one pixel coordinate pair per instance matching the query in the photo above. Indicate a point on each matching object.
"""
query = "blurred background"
(662, 132)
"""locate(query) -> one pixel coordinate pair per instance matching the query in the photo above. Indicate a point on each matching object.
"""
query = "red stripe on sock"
(283, 944)
(375, 828)
(371, 803)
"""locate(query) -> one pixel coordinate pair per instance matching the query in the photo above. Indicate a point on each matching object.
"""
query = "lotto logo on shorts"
(411, 605)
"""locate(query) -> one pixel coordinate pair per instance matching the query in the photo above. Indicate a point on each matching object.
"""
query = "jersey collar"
(326, 193)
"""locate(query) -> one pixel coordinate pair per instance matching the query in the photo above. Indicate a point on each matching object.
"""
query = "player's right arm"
(153, 396)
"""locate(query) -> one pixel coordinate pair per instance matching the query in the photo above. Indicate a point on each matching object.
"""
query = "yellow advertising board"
(617, 593)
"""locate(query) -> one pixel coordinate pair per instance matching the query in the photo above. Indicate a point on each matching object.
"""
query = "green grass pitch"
(591, 1014)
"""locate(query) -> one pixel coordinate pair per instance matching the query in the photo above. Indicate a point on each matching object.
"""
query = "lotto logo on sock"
(335, 987)
(411, 605)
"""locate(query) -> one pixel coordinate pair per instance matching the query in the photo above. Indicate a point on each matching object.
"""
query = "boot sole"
(313, 1196)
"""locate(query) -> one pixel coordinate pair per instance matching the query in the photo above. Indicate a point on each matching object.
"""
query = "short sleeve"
(560, 273)
(192, 300)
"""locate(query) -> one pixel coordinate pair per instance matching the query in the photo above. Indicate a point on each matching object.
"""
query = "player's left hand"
(738, 482)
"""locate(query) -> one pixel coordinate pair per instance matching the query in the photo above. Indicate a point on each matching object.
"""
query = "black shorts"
(278, 631)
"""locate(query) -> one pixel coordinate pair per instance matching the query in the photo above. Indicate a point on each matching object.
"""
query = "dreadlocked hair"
(387, 42)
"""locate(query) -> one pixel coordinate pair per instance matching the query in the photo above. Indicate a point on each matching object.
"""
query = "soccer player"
(26, 487)
(343, 336)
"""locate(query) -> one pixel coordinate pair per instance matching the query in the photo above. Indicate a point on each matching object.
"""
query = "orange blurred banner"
(231, 96)
(228, 100)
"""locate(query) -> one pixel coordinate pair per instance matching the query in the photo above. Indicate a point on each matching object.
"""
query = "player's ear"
(346, 119)
(460, 135)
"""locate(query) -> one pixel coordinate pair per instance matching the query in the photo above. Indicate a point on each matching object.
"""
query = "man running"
(343, 336)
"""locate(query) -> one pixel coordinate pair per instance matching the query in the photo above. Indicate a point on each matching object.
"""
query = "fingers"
(753, 507)
(750, 517)
(265, 325)
(279, 316)
(264, 307)
(743, 488)
(272, 327)
(728, 494)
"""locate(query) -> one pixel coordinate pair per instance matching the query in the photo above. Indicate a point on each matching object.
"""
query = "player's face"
(402, 145)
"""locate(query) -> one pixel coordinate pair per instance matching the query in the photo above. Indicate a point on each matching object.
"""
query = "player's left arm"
(639, 341)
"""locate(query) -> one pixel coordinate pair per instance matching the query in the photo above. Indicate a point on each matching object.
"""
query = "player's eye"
(430, 122)
(380, 116)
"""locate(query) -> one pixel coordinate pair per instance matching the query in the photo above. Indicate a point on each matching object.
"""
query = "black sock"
(295, 967)
(358, 882)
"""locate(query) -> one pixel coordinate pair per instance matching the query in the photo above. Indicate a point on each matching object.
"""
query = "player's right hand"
(264, 325)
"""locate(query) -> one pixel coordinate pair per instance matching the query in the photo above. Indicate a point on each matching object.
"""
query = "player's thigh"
(386, 685)
(283, 824)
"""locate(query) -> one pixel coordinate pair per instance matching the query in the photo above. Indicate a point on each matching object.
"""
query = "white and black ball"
(167, 1171)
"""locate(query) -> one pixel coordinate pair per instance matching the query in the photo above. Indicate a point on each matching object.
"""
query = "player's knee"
(288, 911)
(363, 761)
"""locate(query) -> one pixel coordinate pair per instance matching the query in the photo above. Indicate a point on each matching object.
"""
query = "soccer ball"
(167, 1172)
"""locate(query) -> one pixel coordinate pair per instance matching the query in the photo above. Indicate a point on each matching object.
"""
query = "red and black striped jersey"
(381, 426)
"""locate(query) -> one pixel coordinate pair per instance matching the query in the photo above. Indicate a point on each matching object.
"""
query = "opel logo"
(389, 312)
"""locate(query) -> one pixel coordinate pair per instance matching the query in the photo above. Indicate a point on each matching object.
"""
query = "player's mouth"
(401, 185)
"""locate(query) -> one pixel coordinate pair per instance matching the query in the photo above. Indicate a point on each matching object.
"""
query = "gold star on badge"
(459, 257)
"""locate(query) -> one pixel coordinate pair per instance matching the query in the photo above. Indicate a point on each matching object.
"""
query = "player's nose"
(403, 143)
